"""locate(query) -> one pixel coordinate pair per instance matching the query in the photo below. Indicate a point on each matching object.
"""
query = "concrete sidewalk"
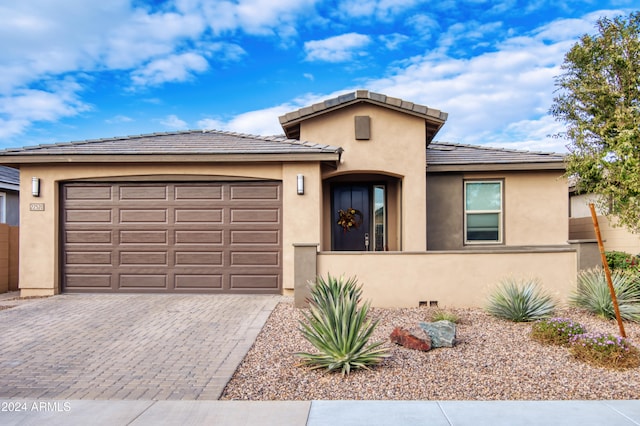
(320, 413)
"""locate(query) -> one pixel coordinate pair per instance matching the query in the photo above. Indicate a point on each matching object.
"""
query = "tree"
(598, 98)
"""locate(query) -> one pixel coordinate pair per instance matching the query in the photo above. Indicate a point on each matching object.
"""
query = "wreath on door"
(349, 219)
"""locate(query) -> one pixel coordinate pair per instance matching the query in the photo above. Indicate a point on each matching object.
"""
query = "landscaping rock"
(404, 338)
(441, 333)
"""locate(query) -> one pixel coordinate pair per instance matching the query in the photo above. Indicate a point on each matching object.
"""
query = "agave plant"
(520, 301)
(593, 294)
(338, 329)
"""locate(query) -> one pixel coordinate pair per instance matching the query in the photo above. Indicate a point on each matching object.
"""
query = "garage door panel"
(260, 237)
(254, 192)
(191, 237)
(88, 216)
(199, 237)
(199, 258)
(254, 258)
(250, 281)
(256, 216)
(199, 216)
(143, 281)
(88, 258)
(143, 216)
(88, 237)
(88, 281)
(130, 258)
(144, 237)
(199, 282)
(136, 193)
(198, 192)
(101, 193)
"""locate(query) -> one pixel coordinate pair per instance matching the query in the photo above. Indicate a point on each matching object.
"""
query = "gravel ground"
(493, 360)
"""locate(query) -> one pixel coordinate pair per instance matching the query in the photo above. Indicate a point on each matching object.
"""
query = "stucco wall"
(453, 279)
(397, 148)
(39, 238)
(535, 208)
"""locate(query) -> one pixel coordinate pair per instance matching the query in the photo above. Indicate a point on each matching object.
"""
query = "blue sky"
(76, 69)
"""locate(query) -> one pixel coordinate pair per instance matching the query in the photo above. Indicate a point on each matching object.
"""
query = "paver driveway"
(155, 347)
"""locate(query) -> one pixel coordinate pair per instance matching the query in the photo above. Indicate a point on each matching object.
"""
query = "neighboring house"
(9, 196)
(210, 211)
(615, 238)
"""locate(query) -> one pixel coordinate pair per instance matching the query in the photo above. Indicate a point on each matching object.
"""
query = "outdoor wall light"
(35, 186)
(300, 184)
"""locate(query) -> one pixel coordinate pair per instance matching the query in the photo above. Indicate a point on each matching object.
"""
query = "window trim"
(3, 207)
(500, 213)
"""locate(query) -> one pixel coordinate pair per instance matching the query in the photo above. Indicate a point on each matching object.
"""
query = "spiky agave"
(338, 329)
(594, 295)
(520, 301)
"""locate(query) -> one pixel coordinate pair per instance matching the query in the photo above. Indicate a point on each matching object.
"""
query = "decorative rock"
(442, 333)
(402, 337)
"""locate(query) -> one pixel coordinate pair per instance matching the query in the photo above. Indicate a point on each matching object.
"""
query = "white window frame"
(3, 207)
(500, 213)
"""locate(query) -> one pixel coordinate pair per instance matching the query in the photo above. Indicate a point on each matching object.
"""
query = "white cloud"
(173, 68)
(118, 119)
(173, 122)
(340, 48)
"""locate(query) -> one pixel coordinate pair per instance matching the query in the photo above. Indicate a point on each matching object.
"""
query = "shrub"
(338, 329)
(442, 315)
(556, 331)
(620, 260)
(593, 294)
(605, 350)
(520, 301)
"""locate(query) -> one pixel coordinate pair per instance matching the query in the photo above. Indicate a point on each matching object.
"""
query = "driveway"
(152, 347)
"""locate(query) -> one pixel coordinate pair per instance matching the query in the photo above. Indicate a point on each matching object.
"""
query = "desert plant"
(338, 329)
(593, 294)
(520, 301)
(556, 331)
(604, 350)
(442, 315)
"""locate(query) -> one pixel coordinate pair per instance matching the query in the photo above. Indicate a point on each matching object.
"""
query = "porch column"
(305, 271)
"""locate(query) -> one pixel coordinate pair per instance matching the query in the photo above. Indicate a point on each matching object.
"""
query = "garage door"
(172, 237)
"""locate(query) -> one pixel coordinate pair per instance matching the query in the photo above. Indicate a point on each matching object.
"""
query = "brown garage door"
(172, 237)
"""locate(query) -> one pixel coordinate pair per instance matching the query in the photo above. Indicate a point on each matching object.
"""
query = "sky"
(73, 70)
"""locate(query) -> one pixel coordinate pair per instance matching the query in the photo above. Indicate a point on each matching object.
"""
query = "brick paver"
(159, 347)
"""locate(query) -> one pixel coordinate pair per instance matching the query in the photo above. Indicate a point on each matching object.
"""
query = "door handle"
(366, 242)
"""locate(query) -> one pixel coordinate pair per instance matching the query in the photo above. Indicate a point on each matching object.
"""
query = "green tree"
(598, 98)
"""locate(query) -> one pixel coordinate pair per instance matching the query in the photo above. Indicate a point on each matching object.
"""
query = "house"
(615, 238)
(357, 186)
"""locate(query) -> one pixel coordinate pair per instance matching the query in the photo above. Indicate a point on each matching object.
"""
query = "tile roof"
(445, 155)
(176, 143)
(9, 175)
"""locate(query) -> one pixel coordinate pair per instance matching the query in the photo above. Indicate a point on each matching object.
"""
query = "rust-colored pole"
(607, 272)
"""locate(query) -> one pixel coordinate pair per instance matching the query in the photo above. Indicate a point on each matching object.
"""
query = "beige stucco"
(40, 244)
(452, 279)
(396, 148)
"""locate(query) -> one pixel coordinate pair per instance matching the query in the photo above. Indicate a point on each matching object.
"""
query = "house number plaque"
(36, 207)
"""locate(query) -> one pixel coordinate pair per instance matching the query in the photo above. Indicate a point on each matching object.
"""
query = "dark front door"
(347, 199)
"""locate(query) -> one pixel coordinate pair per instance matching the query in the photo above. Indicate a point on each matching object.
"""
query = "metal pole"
(607, 273)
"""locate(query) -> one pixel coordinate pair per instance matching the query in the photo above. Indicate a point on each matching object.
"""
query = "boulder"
(404, 338)
(442, 333)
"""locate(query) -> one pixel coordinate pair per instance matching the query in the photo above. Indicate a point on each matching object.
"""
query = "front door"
(351, 221)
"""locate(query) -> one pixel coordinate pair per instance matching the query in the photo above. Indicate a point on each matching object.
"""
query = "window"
(483, 212)
(3, 207)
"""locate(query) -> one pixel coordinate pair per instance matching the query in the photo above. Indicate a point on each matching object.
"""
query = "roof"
(192, 145)
(444, 157)
(434, 118)
(9, 178)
